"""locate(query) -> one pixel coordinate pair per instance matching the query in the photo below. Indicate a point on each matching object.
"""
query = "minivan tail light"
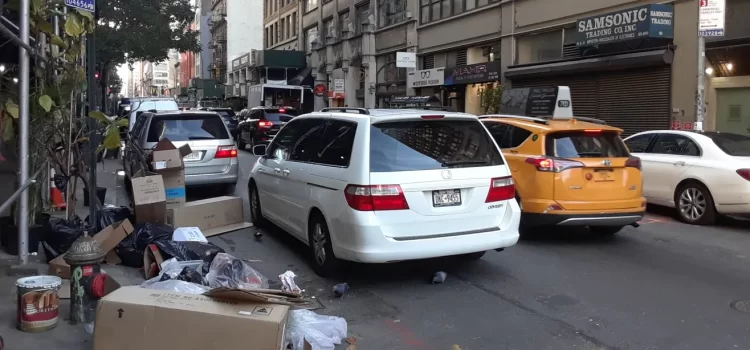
(553, 165)
(265, 124)
(433, 116)
(501, 189)
(375, 197)
(745, 173)
(226, 152)
(633, 162)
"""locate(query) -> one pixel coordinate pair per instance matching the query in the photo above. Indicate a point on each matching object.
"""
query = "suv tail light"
(745, 173)
(375, 197)
(226, 152)
(265, 124)
(553, 165)
(501, 189)
(633, 162)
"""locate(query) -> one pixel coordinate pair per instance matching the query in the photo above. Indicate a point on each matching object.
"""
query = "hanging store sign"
(711, 17)
(427, 77)
(473, 73)
(649, 21)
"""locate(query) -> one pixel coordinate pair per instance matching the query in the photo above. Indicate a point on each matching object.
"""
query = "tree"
(143, 30)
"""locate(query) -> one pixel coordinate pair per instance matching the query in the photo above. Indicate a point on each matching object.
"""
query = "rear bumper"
(228, 177)
(608, 219)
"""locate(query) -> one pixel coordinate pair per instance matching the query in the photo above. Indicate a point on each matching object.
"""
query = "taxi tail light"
(501, 189)
(265, 124)
(745, 173)
(226, 152)
(633, 162)
(553, 165)
(375, 197)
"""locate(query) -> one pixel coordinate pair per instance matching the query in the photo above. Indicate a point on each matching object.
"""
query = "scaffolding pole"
(23, 121)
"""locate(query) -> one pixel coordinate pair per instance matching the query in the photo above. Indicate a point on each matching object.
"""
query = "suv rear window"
(586, 144)
(731, 144)
(278, 117)
(428, 145)
(187, 128)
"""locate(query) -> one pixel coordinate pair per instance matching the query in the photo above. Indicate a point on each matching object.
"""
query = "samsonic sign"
(649, 21)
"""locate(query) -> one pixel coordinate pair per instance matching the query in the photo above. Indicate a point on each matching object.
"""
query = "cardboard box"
(213, 216)
(149, 198)
(167, 161)
(108, 238)
(145, 319)
(152, 260)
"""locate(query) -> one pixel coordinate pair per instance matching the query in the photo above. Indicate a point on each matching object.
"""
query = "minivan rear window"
(731, 144)
(428, 145)
(193, 127)
(586, 144)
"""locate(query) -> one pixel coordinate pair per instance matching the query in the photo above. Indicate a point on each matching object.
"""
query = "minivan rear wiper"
(463, 162)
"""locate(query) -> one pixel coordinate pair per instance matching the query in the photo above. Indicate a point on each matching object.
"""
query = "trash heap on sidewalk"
(195, 296)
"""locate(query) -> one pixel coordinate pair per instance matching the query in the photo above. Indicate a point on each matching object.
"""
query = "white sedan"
(702, 174)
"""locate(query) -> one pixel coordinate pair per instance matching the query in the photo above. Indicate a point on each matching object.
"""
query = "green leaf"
(122, 122)
(12, 109)
(73, 26)
(112, 138)
(9, 130)
(46, 102)
(99, 116)
(45, 27)
(86, 14)
(58, 41)
(36, 5)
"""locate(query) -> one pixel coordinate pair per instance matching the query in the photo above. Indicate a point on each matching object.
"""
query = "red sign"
(320, 90)
(676, 125)
(687, 125)
(336, 95)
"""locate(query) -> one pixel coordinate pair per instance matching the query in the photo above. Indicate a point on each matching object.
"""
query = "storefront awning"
(604, 63)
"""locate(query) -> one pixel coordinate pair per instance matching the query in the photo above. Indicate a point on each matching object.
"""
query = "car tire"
(694, 204)
(240, 144)
(324, 262)
(605, 230)
(256, 214)
(472, 256)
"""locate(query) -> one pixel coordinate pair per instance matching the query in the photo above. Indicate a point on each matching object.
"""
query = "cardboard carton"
(145, 319)
(213, 216)
(167, 161)
(149, 198)
(108, 238)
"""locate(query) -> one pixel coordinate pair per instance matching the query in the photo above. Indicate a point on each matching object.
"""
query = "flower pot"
(35, 232)
(101, 192)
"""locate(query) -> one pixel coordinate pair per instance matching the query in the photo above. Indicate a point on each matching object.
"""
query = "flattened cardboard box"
(134, 318)
(108, 238)
(149, 199)
(213, 216)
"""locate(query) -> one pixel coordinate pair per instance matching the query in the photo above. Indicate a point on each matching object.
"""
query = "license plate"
(603, 175)
(193, 156)
(446, 198)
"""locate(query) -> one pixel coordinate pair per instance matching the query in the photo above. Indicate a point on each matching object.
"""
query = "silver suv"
(214, 157)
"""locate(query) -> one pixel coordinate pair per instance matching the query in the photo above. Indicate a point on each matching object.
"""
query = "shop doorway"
(456, 98)
(733, 110)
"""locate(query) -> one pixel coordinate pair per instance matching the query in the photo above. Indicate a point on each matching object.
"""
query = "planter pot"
(101, 192)
(35, 233)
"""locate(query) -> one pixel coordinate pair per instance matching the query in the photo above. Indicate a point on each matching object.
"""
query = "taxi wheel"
(694, 204)
(605, 230)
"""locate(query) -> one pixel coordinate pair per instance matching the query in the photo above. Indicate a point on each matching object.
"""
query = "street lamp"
(2, 68)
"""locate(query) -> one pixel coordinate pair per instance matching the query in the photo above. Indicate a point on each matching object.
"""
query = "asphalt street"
(664, 285)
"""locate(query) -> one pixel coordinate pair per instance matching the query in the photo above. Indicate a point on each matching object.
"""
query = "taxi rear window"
(585, 144)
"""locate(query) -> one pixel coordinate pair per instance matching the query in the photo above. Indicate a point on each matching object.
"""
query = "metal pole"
(91, 122)
(700, 103)
(23, 136)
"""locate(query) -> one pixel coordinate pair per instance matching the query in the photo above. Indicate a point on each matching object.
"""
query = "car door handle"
(286, 171)
(680, 163)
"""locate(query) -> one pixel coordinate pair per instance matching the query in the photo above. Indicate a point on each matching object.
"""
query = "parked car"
(701, 174)
(260, 125)
(380, 186)
(570, 171)
(228, 115)
(214, 157)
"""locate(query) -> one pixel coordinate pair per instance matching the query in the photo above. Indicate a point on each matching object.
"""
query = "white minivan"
(380, 186)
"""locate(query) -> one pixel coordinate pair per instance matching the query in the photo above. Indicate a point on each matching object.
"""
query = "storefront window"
(433, 10)
(391, 12)
(343, 23)
(329, 31)
(539, 47)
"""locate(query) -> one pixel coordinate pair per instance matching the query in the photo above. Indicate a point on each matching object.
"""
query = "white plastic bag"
(177, 286)
(287, 283)
(322, 332)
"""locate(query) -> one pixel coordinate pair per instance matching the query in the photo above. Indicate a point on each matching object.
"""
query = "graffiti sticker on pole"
(86, 5)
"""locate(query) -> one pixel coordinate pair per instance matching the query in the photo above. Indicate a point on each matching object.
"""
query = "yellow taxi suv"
(567, 171)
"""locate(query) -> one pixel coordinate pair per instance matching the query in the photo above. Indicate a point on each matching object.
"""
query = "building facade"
(245, 35)
(218, 25)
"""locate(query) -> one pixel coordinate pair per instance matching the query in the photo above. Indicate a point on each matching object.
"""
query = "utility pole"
(92, 124)
(700, 103)
(711, 18)
(23, 135)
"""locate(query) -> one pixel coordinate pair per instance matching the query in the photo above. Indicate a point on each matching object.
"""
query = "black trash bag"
(148, 233)
(189, 274)
(61, 235)
(188, 251)
(61, 182)
(109, 216)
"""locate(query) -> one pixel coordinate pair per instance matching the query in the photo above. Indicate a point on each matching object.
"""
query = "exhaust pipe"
(499, 249)
(635, 224)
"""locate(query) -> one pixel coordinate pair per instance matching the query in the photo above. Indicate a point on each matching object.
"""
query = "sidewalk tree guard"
(56, 81)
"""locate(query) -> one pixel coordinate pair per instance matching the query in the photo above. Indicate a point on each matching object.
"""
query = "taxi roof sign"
(551, 102)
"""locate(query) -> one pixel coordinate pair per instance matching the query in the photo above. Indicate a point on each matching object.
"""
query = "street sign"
(406, 60)
(86, 5)
(338, 85)
(320, 90)
(711, 15)
(687, 126)
(676, 125)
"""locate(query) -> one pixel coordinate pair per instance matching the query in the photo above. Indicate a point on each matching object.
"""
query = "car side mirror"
(260, 150)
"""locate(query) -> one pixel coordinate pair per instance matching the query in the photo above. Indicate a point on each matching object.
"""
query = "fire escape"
(218, 65)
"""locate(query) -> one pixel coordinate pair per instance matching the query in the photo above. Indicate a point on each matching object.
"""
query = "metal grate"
(428, 61)
(571, 51)
(461, 57)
